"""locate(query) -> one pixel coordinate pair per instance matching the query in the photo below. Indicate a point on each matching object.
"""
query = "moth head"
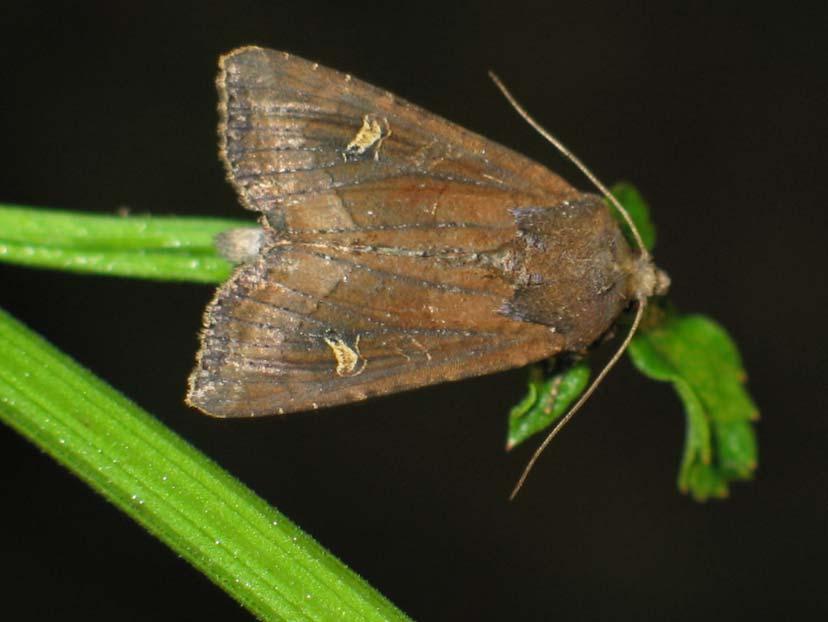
(648, 279)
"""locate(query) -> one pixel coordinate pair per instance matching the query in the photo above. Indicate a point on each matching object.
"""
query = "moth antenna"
(572, 158)
(642, 303)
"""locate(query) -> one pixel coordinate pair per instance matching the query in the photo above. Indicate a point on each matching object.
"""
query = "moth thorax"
(648, 279)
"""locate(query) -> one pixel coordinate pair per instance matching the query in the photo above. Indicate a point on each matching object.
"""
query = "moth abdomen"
(240, 245)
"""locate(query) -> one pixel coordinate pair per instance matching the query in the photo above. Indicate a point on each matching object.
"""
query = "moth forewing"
(397, 249)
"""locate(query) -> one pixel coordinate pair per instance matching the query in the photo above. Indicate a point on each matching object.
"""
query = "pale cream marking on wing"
(402, 353)
(371, 134)
(346, 357)
(495, 179)
(421, 347)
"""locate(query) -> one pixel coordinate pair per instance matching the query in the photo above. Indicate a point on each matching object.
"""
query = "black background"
(719, 117)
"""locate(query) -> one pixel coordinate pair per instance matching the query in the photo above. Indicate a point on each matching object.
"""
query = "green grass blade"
(236, 539)
(152, 247)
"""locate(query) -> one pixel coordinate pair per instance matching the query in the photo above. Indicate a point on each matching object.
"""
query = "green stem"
(151, 247)
(249, 549)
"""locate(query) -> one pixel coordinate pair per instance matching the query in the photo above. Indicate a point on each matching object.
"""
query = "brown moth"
(396, 249)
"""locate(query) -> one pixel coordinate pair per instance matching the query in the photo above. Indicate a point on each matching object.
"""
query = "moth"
(394, 249)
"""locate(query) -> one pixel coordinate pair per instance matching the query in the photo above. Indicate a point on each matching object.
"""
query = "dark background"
(718, 117)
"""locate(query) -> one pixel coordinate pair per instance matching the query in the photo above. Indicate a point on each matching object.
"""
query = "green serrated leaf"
(639, 211)
(700, 359)
(737, 448)
(705, 482)
(546, 400)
